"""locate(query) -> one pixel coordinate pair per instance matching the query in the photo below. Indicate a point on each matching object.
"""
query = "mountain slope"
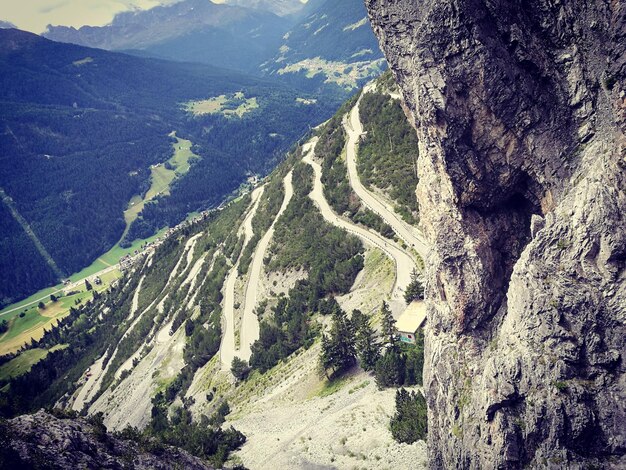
(254, 280)
(73, 190)
(278, 7)
(192, 30)
(332, 47)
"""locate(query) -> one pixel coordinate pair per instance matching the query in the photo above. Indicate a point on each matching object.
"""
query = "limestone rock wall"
(520, 110)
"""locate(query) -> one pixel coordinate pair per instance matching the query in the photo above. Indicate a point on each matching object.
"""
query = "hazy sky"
(35, 15)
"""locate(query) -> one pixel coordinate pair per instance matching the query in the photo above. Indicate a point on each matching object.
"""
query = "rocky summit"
(42, 440)
(520, 111)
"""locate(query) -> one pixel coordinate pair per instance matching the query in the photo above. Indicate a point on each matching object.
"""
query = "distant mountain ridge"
(333, 45)
(322, 46)
(223, 35)
(278, 7)
(6, 25)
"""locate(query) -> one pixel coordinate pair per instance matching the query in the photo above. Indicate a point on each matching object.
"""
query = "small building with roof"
(413, 317)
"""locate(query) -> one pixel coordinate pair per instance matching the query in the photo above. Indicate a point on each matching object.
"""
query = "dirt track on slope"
(403, 262)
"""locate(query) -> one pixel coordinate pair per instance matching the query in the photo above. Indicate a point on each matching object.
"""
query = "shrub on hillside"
(240, 368)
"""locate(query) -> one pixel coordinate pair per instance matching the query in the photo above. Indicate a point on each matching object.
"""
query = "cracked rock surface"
(520, 110)
(41, 440)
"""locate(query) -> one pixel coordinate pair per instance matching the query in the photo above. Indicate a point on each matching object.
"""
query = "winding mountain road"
(250, 322)
(409, 234)
(227, 346)
(404, 263)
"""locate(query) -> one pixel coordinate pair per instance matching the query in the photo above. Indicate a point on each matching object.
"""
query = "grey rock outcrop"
(41, 440)
(520, 109)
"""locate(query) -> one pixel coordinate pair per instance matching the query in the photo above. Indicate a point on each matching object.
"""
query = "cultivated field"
(29, 322)
(22, 363)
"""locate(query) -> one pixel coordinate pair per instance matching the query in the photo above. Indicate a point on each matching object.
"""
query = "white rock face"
(520, 114)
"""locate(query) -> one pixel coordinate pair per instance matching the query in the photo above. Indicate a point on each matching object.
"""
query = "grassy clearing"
(86, 60)
(306, 101)
(23, 363)
(363, 384)
(344, 74)
(333, 386)
(230, 106)
(32, 327)
(162, 177)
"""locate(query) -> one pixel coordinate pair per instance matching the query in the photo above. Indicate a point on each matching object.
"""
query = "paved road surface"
(250, 322)
(409, 234)
(403, 262)
(227, 346)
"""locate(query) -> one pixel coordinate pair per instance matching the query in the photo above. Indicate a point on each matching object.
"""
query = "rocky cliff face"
(41, 440)
(520, 111)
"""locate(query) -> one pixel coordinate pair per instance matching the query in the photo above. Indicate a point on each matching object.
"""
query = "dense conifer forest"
(80, 128)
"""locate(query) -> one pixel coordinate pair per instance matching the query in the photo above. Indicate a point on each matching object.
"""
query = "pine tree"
(328, 306)
(390, 369)
(388, 326)
(343, 342)
(338, 349)
(358, 319)
(326, 355)
(367, 345)
(415, 289)
(240, 368)
(410, 422)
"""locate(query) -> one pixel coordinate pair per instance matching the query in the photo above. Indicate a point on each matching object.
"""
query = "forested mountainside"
(278, 7)
(331, 49)
(87, 135)
(520, 113)
(225, 322)
(223, 35)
